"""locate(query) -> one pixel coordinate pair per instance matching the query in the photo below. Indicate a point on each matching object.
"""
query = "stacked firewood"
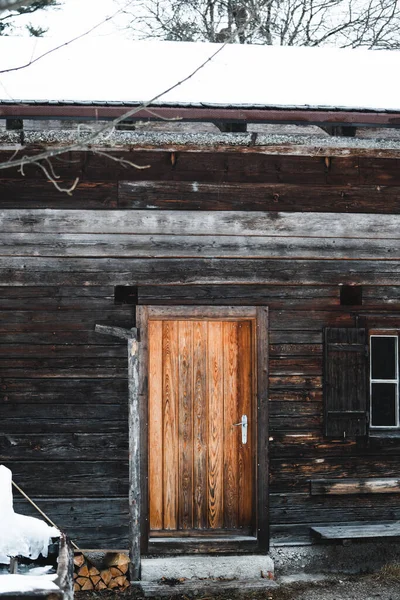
(113, 574)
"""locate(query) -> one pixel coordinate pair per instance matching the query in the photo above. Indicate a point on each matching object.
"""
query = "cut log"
(100, 586)
(93, 572)
(106, 576)
(95, 579)
(87, 586)
(120, 581)
(77, 587)
(79, 559)
(81, 581)
(116, 559)
(83, 571)
(124, 568)
(115, 572)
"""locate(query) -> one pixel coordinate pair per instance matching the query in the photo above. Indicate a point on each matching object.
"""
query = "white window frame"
(395, 381)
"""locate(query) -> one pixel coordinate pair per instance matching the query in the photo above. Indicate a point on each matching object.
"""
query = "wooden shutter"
(345, 382)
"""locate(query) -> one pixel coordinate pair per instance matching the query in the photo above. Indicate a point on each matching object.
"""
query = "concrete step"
(196, 587)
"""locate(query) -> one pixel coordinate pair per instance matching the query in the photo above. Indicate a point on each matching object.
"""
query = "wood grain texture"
(388, 485)
(215, 425)
(187, 223)
(231, 416)
(262, 427)
(206, 386)
(185, 427)
(200, 425)
(155, 425)
(246, 397)
(170, 424)
(190, 195)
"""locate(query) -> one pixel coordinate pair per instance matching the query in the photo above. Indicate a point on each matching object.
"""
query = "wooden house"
(251, 264)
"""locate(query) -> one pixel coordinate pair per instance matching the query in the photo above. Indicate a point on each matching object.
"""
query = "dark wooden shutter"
(345, 382)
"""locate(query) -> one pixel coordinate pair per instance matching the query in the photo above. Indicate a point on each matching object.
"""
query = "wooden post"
(134, 454)
(131, 335)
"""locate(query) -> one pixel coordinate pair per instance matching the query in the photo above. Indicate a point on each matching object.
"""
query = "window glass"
(383, 404)
(383, 357)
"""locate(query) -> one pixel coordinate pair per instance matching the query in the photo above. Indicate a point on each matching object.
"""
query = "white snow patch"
(27, 583)
(240, 75)
(20, 535)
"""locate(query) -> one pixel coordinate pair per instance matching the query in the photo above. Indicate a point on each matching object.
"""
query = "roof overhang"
(105, 111)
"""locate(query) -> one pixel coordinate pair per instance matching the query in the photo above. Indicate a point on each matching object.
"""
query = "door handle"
(244, 424)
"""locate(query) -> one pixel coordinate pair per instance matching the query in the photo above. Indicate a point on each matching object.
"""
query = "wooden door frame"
(258, 314)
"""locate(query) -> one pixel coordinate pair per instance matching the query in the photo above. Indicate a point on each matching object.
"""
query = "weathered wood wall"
(63, 426)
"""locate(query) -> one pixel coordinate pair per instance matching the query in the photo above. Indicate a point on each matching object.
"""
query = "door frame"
(259, 315)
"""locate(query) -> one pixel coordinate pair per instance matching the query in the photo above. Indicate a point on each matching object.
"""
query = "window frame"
(389, 333)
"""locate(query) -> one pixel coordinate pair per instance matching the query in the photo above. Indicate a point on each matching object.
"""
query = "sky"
(76, 16)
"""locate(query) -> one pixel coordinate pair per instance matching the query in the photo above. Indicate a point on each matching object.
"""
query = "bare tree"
(10, 9)
(343, 23)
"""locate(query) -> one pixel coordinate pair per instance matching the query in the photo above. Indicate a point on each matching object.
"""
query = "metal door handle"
(244, 424)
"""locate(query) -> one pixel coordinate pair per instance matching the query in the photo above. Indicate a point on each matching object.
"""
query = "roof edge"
(279, 115)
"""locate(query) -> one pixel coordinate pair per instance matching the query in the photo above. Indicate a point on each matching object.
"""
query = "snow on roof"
(121, 71)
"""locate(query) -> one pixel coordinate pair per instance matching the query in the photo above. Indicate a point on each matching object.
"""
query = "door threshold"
(235, 544)
(204, 538)
(231, 569)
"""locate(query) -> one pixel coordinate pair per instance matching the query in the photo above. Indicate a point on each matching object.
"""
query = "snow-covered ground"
(27, 583)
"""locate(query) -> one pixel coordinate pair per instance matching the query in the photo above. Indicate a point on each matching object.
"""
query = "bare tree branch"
(64, 44)
(343, 23)
(43, 159)
(13, 4)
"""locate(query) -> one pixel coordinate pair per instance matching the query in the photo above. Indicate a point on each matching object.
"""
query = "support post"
(131, 335)
(134, 456)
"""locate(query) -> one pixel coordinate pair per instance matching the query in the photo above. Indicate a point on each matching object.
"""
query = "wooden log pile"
(113, 574)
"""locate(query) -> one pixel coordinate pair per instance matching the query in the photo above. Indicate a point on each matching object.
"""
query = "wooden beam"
(120, 332)
(134, 462)
(262, 428)
(358, 531)
(187, 223)
(330, 487)
(320, 195)
(235, 114)
(131, 335)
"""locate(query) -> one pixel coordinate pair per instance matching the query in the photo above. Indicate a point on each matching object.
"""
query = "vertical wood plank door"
(201, 383)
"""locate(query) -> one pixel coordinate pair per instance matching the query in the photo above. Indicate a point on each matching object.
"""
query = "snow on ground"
(20, 535)
(92, 69)
(27, 583)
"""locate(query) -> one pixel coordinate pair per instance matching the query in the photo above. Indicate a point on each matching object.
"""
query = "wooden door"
(201, 382)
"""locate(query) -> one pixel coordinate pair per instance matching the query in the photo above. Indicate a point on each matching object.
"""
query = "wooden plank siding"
(63, 388)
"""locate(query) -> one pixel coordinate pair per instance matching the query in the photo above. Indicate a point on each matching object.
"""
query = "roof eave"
(282, 115)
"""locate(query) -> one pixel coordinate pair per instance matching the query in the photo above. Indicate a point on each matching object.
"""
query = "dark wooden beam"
(355, 118)
(340, 130)
(120, 332)
(232, 126)
(131, 335)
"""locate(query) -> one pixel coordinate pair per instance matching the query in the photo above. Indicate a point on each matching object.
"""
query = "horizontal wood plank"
(389, 485)
(169, 246)
(198, 195)
(87, 272)
(356, 532)
(72, 446)
(85, 478)
(220, 223)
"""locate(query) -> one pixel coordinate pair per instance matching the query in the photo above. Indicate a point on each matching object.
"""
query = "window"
(384, 380)
(361, 382)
